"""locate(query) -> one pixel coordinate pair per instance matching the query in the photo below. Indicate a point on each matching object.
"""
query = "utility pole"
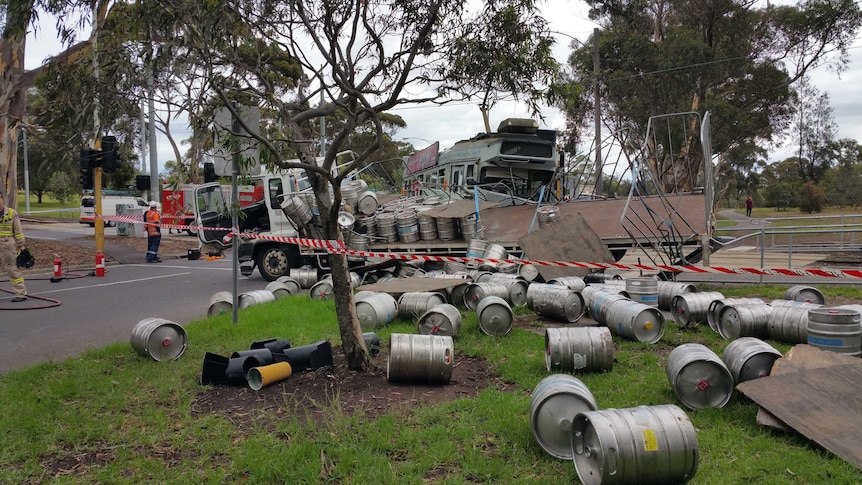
(597, 112)
(97, 143)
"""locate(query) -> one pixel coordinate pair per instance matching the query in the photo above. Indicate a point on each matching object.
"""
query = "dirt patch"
(315, 394)
(76, 254)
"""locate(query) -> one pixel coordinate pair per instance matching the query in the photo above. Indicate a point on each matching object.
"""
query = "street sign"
(249, 151)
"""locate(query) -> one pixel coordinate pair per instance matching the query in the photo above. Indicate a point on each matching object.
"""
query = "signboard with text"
(423, 159)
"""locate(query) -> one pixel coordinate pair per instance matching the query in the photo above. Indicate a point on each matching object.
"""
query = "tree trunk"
(352, 341)
(12, 97)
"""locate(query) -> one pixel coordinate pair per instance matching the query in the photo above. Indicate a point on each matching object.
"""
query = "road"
(94, 311)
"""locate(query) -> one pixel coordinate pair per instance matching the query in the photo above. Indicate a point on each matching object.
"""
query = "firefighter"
(11, 242)
(154, 232)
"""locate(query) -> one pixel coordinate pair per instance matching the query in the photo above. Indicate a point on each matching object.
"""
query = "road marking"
(148, 265)
(111, 284)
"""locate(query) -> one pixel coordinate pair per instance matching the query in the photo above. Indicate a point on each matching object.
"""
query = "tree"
(305, 60)
(14, 82)
(843, 183)
(811, 198)
(738, 62)
(814, 130)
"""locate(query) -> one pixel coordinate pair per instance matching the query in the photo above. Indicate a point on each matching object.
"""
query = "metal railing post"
(762, 251)
(790, 250)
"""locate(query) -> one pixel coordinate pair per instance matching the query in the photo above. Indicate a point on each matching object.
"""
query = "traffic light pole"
(97, 195)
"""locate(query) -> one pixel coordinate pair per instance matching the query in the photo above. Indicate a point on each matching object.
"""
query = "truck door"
(212, 213)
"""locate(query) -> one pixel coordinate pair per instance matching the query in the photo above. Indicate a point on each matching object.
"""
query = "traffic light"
(142, 182)
(109, 158)
(87, 162)
(209, 173)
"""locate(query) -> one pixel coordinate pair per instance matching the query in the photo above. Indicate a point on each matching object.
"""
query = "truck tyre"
(273, 262)
(190, 232)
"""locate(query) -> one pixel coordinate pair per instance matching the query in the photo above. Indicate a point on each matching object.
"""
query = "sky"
(460, 120)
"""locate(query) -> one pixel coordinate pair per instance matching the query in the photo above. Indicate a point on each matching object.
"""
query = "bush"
(811, 198)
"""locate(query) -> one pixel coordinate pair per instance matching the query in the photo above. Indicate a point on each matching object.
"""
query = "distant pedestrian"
(11, 243)
(749, 204)
(154, 232)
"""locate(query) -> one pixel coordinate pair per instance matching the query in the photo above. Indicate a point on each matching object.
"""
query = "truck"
(490, 187)
(177, 206)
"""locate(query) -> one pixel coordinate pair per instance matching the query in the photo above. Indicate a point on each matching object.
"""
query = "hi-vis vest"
(152, 216)
(7, 225)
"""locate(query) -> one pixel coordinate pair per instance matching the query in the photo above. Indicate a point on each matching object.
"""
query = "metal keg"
(350, 190)
(292, 284)
(495, 316)
(601, 278)
(453, 267)
(367, 203)
(788, 324)
(635, 321)
(508, 268)
(159, 339)
(715, 306)
(427, 224)
(836, 330)
(805, 294)
(476, 248)
(345, 221)
(598, 301)
(415, 303)
(367, 225)
(408, 226)
(296, 209)
(475, 292)
(255, 297)
(554, 403)
(278, 289)
(557, 303)
(547, 214)
(669, 289)
(516, 286)
(689, 308)
(699, 379)
(479, 276)
(797, 304)
(220, 302)
(735, 321)
(579, 349)
(306, 276)
(645, 444)
(749, 358)
(387, 229)
(643, 289)
(322, 290)
(468, 226)
(447, 228)
(528, 271)
(493, 251)
(534, 288)
(407, 269)
(376, 310)
(420, 358)
(574, 283)
(443, 319)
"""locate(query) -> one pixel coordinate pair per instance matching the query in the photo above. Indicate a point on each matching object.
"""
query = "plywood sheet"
(568, 238)
(406, 285)
(458, 208)
(824, 405)
(800, 357)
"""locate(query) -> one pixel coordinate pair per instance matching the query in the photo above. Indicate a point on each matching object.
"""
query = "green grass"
(127, 419)
(49, 208)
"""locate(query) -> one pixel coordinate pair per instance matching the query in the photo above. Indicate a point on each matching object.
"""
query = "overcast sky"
(457, 121)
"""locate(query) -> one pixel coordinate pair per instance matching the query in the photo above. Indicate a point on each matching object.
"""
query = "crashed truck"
(510, 188)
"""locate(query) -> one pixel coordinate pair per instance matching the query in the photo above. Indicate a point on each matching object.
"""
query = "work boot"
(19, 299)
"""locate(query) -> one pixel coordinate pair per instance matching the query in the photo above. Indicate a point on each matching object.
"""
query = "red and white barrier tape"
(338, 247)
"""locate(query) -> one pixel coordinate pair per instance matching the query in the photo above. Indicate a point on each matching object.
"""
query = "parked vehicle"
(109, 206)
(177, 207)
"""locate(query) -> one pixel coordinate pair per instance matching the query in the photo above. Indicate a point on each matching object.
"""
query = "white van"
(109, 207)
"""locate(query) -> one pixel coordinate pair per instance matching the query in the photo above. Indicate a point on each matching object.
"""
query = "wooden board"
(800, 357)
(458, 208)
(568, 238)
(824, 405)
(407, 285)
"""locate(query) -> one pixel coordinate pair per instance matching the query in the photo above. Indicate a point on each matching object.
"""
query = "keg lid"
(166, 342)
(494, 315)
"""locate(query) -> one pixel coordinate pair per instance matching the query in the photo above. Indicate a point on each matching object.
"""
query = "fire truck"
(177, 206)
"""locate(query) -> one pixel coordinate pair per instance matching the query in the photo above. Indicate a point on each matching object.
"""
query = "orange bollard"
(100, 264)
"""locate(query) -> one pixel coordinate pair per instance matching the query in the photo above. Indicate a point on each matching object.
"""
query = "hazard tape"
(339, 247)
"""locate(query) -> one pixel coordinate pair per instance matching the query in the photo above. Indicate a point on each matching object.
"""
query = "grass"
(50, 208)
(117, 417)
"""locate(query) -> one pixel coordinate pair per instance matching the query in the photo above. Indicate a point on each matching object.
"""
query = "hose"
(51, 303)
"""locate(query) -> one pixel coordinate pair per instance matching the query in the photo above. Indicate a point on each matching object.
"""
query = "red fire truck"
(177, 205)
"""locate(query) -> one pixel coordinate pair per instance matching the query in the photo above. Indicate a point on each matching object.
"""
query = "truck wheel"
(190, 232)
(273, 262)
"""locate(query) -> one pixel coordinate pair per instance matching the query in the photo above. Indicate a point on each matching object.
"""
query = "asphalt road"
(93, 312)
